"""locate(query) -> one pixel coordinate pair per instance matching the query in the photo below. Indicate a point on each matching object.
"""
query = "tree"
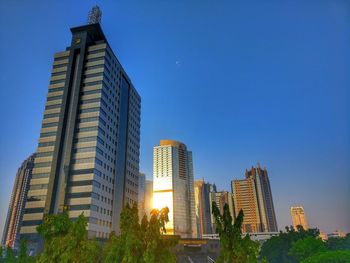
(66, 240)
(276, 249)
(10, 258)
(233, 248)
(304, 248)
(141, 243)
(340, 256)
(338, 243)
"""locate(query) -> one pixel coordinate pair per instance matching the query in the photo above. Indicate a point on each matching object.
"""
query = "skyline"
(182, 69)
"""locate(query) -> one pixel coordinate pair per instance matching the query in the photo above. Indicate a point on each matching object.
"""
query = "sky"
(239, 82)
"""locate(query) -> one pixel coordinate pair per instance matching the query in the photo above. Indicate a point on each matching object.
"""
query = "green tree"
(10, 258)
(340, 256)
(66, 240)
(304, 248)
(157, 245)
(338, 243)
(233, 248)
(141, 242)
(276, 249)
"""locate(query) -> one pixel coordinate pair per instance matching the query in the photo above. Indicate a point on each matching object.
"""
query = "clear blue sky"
(237, 81)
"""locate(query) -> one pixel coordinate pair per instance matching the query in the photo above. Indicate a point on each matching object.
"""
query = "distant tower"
(17, 204)
(253, 195)
(95, 15)
(298, 217)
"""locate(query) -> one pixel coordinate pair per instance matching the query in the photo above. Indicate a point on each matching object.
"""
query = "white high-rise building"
(173, 186)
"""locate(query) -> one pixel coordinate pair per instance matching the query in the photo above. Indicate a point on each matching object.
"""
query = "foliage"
(66, 240)
(340, 256)
(233, 248)
(304, 248)
(141, 242)
(276, 249)
(338, 243)
(10, 258)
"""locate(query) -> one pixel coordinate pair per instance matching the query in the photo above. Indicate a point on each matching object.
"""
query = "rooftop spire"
(95, 15)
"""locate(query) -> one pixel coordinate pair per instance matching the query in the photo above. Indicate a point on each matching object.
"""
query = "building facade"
(298, 217)
(10, 236)
(253, 195)
(148, 197)
(173, 186)
(88, 152)
(202, 198)
(141, 195)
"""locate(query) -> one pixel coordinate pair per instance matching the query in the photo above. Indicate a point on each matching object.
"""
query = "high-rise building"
(173, 186)
(202, 198)
(298, 217)
(253, 195)
(10, 236)
(88, 152)
(148, 197)
(141, 195)
(221, 198)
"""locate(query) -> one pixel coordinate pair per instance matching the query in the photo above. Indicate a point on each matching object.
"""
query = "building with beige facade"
(298, 217)
(253, 195)
(173, 186)
(88, 151)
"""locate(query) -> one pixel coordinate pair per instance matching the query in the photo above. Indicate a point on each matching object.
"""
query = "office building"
(221, 198)
(298, 217)
(88, 152)
(202, 198)
(173, 186)
(10, 236)
(253, 195)
(141, 195)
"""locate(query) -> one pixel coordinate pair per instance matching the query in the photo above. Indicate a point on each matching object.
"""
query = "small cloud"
(178, 62)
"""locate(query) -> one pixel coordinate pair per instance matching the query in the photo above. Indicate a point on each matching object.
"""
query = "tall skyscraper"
(298, 217)
(173, 186)
(202, 198)
(10, 236)
(141, 195)
(253, 195)
(88, 152)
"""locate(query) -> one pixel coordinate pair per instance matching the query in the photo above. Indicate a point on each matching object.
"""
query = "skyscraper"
(141, 195)
(10, 236)
(253, 195)
(298, 217)
(173, 186)
(202, 198)
(88, 152)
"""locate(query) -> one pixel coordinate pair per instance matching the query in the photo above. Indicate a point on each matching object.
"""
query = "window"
(47, 134)
(31, 223)
(56, 89)
(51, 124)
(46, 144)
(34, 210)
(60, 65)
(46, 164)
(38, 186)
(55, 106)
(44, 154)
(54, 98)
(57, 81)
(79, 207)
(41, 175)
(88, 119)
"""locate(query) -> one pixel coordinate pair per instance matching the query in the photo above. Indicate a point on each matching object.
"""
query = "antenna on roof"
(95, 15)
